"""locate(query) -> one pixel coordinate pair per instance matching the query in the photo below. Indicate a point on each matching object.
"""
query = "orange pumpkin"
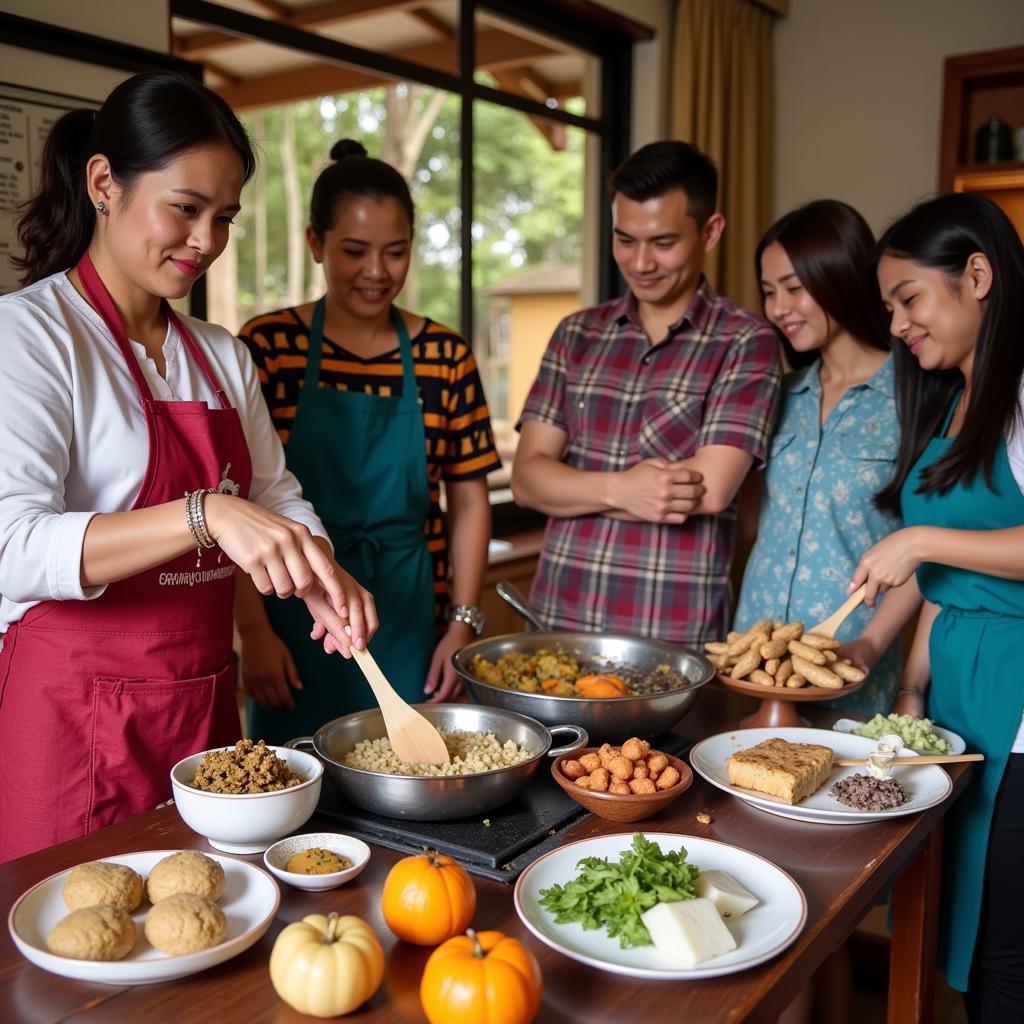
(481, 978)
(428, 898)
(602, 685)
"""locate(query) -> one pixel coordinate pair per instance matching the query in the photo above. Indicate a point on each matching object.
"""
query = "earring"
(101, 206)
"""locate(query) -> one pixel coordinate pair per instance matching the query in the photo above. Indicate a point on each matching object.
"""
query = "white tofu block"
(728, 896)
(690, 931)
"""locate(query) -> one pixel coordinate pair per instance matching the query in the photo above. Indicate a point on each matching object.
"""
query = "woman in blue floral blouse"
(835, 443)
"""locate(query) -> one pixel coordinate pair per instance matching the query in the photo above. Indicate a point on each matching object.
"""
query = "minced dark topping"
(245, 768)
(866, 793)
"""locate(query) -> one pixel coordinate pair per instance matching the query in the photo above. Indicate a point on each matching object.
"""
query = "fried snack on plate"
(788, 631)
(822, 643)
(789, 771)
(847, 672)
(817, 674)
(811, 654)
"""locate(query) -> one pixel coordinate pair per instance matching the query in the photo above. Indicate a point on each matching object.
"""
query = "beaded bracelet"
(911, 689)
(195, 519)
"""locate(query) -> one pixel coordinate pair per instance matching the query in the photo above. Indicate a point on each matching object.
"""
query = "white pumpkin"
(327, 966)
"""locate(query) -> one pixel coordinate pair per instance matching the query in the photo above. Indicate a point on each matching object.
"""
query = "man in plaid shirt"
(645, 417)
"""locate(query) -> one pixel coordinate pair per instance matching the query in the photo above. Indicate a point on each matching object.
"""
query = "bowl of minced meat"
(243, 798)
(493, 754)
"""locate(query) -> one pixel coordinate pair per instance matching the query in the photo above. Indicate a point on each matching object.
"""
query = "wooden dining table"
(843, 870)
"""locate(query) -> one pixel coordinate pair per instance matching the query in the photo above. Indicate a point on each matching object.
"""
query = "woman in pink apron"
(138, 467)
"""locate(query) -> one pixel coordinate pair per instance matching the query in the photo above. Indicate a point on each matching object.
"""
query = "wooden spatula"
(851, 762)
(830, 626)
(413, 739)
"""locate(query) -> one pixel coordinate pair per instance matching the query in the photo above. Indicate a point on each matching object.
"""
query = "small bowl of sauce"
(317, 861)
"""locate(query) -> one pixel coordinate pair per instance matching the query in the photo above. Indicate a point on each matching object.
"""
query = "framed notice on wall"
(48, 70)
(26, 116)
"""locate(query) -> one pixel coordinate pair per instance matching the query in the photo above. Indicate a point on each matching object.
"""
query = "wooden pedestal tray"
(777, 701)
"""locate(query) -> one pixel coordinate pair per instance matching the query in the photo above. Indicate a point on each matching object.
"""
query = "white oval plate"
(925, 786)
(249, 902)
(956, 742)
(760, 934)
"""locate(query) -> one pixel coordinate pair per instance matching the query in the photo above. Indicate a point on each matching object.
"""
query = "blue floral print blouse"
(818, 516)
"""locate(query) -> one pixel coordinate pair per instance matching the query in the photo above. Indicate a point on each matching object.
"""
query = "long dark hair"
(943, 234)
(142, 126)
(832, 250)
(354, 175)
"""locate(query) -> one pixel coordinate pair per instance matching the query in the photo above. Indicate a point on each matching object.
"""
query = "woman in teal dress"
(834, 445)
(952, 274)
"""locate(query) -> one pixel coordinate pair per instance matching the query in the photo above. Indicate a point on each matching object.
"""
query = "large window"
(505, 118)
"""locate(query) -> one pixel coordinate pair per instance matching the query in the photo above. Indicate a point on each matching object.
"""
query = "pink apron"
(98, 699)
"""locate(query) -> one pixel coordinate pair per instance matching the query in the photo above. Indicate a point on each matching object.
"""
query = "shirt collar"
(698, 313)
(807, 379)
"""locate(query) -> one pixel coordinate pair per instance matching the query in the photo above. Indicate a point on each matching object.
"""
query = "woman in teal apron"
(952, 272)
(373, 421)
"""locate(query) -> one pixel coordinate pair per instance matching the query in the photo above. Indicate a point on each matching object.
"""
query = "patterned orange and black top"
(459, 439)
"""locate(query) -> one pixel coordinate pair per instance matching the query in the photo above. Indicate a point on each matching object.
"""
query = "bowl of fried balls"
(182, 889)
(622, 783)
(243, 798)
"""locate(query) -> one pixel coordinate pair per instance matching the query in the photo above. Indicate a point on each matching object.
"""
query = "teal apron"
(361, 461)
(977, 686)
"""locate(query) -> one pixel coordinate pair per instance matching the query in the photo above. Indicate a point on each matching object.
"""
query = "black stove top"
(499, 845)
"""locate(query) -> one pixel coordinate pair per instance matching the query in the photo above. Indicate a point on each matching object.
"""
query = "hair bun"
(347, 147)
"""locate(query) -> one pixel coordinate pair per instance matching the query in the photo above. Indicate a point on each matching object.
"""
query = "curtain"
(722, 103)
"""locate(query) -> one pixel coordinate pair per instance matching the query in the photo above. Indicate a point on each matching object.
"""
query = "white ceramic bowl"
(247, 822)
(277, 857)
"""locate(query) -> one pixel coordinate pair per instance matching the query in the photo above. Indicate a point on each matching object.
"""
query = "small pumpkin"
(326, 966)
(481, 978)
(428, 898)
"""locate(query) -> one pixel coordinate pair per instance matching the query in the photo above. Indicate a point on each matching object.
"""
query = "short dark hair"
(831, 248)
(942, 234)
(354, 175)
(143, 125)
(659, 167)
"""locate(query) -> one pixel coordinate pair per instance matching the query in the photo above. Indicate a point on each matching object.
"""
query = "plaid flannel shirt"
(713, 380)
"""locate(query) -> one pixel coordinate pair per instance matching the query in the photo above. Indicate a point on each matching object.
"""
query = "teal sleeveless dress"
(977, 681)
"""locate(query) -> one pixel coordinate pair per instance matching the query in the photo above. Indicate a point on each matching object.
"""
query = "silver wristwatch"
(470, 614)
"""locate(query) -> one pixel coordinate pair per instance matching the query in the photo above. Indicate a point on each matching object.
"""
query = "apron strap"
(100, 299)
(949, 414)
(316, 339)
(410, 392)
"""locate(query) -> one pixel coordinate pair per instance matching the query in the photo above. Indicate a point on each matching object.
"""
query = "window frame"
(563, 20)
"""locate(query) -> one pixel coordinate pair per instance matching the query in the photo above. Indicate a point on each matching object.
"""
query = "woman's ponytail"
(58, 221)
(144, 124)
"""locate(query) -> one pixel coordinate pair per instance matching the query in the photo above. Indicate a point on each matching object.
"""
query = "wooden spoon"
(850, 762)
(413, 739)
(830, 626)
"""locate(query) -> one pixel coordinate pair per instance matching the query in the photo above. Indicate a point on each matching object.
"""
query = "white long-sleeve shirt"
(73, 437)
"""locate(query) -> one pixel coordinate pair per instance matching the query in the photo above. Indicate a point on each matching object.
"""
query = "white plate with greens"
(761, 933)
(956, 743)
(925, 786)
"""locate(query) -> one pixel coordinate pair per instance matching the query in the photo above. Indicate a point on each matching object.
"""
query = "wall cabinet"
(979, 86)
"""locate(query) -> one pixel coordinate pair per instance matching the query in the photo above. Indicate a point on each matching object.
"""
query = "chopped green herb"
(613, 896)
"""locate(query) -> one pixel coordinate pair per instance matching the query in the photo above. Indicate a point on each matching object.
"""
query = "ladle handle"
(512, 595)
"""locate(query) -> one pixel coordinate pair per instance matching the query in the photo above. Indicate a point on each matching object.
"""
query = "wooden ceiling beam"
(497, 50)
(195, 46)
(278, 11)
(429, 20)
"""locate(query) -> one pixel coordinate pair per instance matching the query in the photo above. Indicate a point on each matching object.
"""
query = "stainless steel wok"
(430, 798)
(608, 719)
